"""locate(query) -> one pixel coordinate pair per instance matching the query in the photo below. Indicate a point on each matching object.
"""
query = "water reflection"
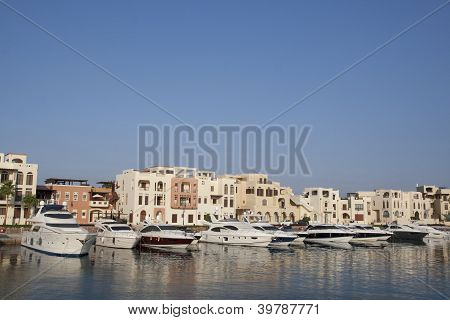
(387, 271)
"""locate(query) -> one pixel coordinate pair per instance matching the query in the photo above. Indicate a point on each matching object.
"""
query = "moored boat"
(405, 233)
(368, 233)
(115, 235)
(324, 233)
(161, 235)
(235, 233)
(55, 231)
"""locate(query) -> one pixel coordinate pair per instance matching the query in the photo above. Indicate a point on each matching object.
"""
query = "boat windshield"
(270, 228)
(52, 207)
(168, 228)
(63, 225)
(58, 215)
(231, 228)
(321, 227)
(120, 228)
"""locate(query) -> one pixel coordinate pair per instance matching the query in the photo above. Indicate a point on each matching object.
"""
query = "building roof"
(65, 181)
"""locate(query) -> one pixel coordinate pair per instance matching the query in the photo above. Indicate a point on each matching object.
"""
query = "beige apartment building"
(355, 208)
(439, 199)
(388, 205)
(15, 167)
(257, 195)
(174, 195)
(380, 206)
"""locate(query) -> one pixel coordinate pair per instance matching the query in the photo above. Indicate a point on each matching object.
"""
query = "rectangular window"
(212, 188)
(146, 200)
(75, 196)
(19, 178)
(359, 207)
(18, 195)
(199, 200)
(67, 197)
(231, 203)
(26, 213)
(83, 213)
(2, 211)
(4, 177)
(174, 218)
(225, 202)
(17, 213)
(140, 200)
(191, 218)
(84, 196)
(29, 179)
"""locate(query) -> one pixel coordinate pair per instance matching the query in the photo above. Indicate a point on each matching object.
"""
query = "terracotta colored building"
(86, 202)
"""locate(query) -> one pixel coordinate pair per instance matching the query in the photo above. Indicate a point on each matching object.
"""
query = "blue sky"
(384, 124)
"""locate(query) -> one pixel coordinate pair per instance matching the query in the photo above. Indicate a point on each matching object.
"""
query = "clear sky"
(385, 124)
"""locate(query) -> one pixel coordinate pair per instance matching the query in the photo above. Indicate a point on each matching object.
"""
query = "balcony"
(99, 204)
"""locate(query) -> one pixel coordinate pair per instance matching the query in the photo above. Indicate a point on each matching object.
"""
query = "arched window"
(17, 161)
(225, 189)
(231, 189)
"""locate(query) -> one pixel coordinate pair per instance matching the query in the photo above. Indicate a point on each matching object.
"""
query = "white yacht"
(368, 233)
(159, 235)
(282, 238)
(405, 233)
(115, 235)
(432, 232)
(233, 232)
(325, 233)
(55, 231)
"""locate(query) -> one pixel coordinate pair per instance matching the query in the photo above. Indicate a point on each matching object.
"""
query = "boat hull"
(371, 238)
(58, 244)
(166, 242)
(117, 242)
(408, 236)
(281, 242)
(299, 241)
(237, 240)
(343, 239)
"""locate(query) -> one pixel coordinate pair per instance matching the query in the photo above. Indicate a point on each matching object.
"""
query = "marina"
(382, 271)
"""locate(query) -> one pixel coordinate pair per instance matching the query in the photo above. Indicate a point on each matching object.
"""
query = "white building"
(325, 202)
(14, 167)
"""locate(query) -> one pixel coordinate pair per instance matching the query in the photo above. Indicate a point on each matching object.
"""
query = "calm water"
(396, 271)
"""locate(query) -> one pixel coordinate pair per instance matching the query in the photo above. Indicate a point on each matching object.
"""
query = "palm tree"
(30, 201)
(7, 190)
